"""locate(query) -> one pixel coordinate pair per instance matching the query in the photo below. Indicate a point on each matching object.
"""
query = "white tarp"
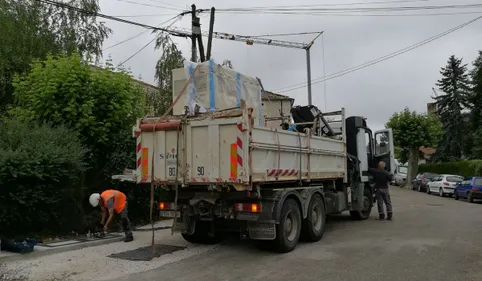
(215, 87)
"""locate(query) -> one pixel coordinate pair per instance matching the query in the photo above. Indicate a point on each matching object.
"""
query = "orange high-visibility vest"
(119, 199)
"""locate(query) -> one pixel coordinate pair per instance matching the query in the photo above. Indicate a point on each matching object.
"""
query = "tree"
(32, 30)
(456, 96)
(101, 104)
(171, 58)
(476, 113)
(411, 131)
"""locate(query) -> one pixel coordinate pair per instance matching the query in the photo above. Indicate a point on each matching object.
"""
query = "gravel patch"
(93, 263)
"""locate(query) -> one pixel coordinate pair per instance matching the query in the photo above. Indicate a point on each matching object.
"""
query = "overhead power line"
(340, 4)
(180, 32)
(140, 34)
(358, 9)
(378, 60)
(150, 5)
(145, 46)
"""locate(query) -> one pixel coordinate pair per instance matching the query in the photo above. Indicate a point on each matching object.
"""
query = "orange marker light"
(161, 206)
(254, 208)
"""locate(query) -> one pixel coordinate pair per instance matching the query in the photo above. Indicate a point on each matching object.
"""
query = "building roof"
(267, 95)
(427, 150)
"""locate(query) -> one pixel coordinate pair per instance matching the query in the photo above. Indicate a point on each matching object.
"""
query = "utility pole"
(308, 71)
(193, 33)
(210, 36)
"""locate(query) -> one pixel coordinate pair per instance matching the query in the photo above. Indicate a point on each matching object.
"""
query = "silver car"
(444, 184)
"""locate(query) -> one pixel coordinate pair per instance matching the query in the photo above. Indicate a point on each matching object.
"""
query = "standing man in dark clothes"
(382, 177)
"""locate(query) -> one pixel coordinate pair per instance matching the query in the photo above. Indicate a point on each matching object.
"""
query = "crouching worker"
(110, 201)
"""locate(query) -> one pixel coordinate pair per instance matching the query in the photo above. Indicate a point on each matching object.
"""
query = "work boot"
(129, 238)
(389, 216)
(381, 217)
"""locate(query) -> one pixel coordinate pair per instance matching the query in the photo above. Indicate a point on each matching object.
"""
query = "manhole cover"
(435, 205)
(145, 253)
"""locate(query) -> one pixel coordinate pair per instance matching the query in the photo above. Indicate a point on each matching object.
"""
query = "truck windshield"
(403, 169)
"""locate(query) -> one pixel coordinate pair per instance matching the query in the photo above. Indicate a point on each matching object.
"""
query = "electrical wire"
(140, 16)
(340, 4)
(178, 32)
(378, 60)
(149, 5)
(359, 9)
(329, 14)
(140, 34)
(145, 46)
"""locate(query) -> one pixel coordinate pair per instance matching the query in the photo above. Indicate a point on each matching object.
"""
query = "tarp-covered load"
(214, 88)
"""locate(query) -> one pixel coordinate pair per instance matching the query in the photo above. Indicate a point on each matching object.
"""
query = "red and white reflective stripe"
(138, 153)
(216, 180)
(281, 172)
(239, 142)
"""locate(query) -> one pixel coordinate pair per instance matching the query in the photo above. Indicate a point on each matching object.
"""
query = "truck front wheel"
(202, 234)
(364, 213)
(289, 228)
(314, 224)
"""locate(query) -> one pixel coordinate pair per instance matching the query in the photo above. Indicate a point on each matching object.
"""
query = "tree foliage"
(101, 104)
(476, 113)
(39, 169)
(412, 130)
(171, 58)
(32, 30)
(455, 86)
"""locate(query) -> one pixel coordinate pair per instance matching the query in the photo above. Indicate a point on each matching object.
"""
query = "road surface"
(430, 238)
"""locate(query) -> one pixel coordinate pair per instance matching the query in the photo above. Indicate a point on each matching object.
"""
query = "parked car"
(400, 175)
(470, 188)
(444, 184)
(420, 182)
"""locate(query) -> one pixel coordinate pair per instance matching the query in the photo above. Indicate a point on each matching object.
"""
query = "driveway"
(430, 238)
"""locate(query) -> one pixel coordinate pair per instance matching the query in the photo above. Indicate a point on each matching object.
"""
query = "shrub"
(463, 168)
(39, 178)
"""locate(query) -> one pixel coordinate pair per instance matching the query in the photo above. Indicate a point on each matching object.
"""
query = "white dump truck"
(224, 170)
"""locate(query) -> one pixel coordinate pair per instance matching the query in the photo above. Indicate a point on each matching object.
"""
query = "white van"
(400, 177)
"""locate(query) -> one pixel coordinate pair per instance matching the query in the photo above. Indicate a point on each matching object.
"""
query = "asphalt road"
(430, 238)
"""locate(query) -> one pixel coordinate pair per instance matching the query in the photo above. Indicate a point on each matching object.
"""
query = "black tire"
(290, 221)
(419, 188)
(367, 207)
(201, 234)
(441, 192)
(470, 199)
(456, 197)
(428, 190)
(314, 224)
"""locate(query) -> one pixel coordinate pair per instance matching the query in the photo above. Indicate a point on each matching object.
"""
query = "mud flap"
(262, 231)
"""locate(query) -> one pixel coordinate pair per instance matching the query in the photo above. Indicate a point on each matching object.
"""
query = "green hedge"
(463, 168)
(39, 183)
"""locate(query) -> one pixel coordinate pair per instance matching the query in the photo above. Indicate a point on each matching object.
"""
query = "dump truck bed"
(229, 149)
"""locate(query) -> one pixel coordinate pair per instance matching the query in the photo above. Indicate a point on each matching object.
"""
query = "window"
(402, 169)
(430, 176)
(478, 181)
(454, 179)
(381, 143)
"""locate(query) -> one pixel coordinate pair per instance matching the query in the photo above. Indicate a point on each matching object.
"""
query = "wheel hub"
(290, 226)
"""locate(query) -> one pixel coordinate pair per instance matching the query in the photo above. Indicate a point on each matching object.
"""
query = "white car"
(400, 175)
(443, 184)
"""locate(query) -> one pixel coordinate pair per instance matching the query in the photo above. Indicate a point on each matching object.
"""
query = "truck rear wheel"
(289, 228)
(314, 224)
(364, 213)
(202, 234)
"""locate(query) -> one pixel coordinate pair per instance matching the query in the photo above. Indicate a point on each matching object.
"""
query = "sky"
(349, 39)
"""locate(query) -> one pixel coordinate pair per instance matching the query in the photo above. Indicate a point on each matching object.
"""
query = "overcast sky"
(349, 40)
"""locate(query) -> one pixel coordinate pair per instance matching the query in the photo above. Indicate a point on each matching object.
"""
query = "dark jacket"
(381, 176)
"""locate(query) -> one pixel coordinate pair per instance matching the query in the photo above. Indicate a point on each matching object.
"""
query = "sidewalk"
(91, 262)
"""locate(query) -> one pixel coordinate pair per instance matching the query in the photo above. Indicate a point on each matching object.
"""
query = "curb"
(60, 249)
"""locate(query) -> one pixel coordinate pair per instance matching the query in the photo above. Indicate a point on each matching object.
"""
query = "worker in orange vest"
(110, 201)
